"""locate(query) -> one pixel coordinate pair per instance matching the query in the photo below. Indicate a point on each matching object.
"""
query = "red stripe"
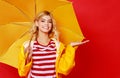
(37, 43)
(50, 50)
(37, 48)
(53, 58)
(42, 45)
(44, 64)
(51, 53)
(43, 69)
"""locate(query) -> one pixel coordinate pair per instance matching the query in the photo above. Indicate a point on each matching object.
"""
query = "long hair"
(53, 33)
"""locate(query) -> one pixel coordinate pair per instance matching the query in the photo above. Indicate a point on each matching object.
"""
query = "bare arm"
(78, 43)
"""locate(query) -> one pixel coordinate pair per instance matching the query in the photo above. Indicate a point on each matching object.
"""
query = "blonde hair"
(34, 30)
(53, 32)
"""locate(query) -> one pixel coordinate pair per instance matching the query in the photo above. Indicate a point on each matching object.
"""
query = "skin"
(44, 25)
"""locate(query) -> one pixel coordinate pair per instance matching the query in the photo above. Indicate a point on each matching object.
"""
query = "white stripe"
(38, 46)
(43, 48)
(43, 76)
(45, 66)
(51, 45)
(43, 72)
(42, 57)
(44, 61)
(43, 52)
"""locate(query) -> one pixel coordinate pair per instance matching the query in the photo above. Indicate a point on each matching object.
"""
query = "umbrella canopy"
(17, 17)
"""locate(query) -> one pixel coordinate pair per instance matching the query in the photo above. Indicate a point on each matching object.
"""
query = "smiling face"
(44, 24)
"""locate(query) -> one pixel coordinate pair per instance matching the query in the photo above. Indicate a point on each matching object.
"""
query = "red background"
(100, 58)
(100, 23)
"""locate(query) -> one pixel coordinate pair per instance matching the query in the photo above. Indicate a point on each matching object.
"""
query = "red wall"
(7, 71)
(100, 23)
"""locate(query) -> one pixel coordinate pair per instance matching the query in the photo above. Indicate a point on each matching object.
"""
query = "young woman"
(44, 56)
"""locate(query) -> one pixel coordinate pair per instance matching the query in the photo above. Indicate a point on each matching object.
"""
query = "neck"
(43, 38)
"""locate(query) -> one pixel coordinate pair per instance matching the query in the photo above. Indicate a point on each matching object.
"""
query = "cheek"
(50, 25)
(39, 23)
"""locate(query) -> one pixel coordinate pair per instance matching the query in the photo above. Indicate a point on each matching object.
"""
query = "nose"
(46, 23)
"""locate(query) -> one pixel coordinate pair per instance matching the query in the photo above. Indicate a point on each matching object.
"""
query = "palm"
(78, 43)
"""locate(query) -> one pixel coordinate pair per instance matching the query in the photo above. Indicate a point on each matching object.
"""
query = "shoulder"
(58, 43)
(26, 43)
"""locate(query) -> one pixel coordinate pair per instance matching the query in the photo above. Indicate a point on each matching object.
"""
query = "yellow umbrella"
(17, 17)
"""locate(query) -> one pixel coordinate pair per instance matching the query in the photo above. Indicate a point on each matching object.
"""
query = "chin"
(46, 31)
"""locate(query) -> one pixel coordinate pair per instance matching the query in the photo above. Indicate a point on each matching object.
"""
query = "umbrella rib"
(19, 10)
(27, 31)
(35, 7)
(62, 5)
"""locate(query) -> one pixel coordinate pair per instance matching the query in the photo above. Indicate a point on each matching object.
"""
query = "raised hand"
(78, 43)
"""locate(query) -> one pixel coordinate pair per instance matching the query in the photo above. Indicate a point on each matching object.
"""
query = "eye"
(42, 21)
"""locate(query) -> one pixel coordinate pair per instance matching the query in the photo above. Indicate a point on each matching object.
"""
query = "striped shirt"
(44, 58)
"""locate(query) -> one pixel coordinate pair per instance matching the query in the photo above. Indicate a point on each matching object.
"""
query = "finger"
(86, 41)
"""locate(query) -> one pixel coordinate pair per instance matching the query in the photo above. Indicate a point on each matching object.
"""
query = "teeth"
(46, 27)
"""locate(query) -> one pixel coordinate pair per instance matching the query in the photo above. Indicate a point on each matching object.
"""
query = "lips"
(45, 27)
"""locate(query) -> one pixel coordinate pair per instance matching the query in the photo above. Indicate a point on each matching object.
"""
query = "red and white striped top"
(44, 58)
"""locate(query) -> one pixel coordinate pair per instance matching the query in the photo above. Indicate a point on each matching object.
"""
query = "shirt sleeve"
(23, 68)
(66, 62)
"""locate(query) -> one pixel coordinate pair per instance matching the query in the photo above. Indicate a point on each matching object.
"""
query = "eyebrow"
(45, 19)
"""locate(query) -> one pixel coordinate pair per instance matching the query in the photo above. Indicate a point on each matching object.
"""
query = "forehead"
(46, 17)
